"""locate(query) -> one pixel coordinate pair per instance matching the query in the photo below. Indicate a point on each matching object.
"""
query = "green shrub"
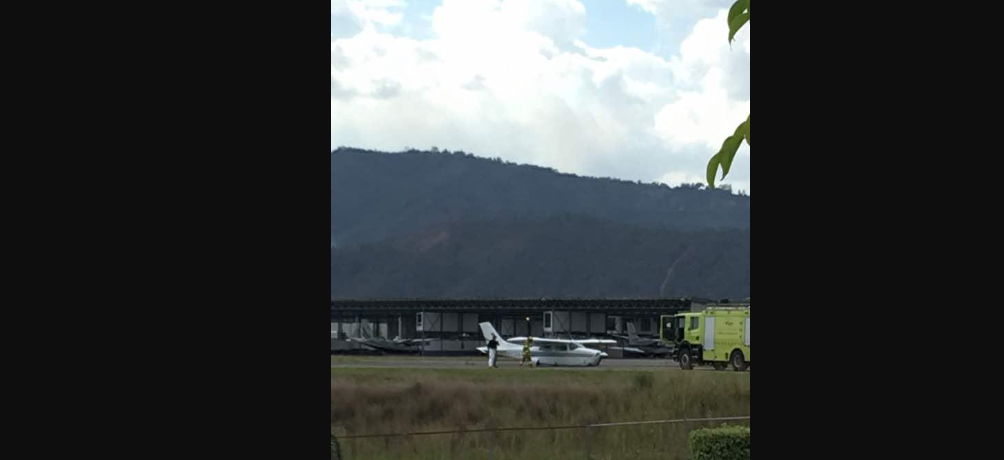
(726, 443)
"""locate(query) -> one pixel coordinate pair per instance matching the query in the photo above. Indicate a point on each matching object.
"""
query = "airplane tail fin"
(632, 333)
(489, 331)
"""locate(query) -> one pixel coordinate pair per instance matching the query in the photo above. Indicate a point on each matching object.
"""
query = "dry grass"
(395, 401)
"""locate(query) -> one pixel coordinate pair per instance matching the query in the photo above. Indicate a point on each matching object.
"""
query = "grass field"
(368, 401)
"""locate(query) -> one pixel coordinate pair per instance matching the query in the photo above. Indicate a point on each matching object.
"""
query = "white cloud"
(709, 111)
(675, 19)
(652, 6)
(490, 25)
(511, 79)
(669, 9)
(379, 12)
(705, 116)
(712, 97)
(344, 22)
(349, 17)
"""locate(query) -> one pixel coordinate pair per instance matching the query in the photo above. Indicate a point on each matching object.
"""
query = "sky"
(641, 90)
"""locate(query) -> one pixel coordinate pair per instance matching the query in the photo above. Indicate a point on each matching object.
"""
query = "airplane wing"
(413, 342)
(584, 342)
(536, 340)
(595, 342)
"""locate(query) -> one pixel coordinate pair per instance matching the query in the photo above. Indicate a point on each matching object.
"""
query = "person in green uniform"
(526, 352)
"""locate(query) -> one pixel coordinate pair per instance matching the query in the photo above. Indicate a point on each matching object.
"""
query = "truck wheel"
(719, 366)
(686, 361)
(738, 361)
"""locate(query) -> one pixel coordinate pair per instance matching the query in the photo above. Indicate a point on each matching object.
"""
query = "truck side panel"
(729, 334)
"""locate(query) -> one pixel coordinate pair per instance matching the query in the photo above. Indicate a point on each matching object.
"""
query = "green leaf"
(743, 131)
(737, 23)
(739, 15)
(713, 169)
(738, 8)
(728, 152)
(723, 159)
(748, 131)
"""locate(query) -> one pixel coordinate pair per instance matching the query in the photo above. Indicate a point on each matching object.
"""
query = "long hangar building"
(450, 326)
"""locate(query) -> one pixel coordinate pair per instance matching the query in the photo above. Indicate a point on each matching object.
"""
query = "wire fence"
(496, 447)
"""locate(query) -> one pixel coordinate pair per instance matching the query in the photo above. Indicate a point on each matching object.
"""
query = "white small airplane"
(548, 352)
